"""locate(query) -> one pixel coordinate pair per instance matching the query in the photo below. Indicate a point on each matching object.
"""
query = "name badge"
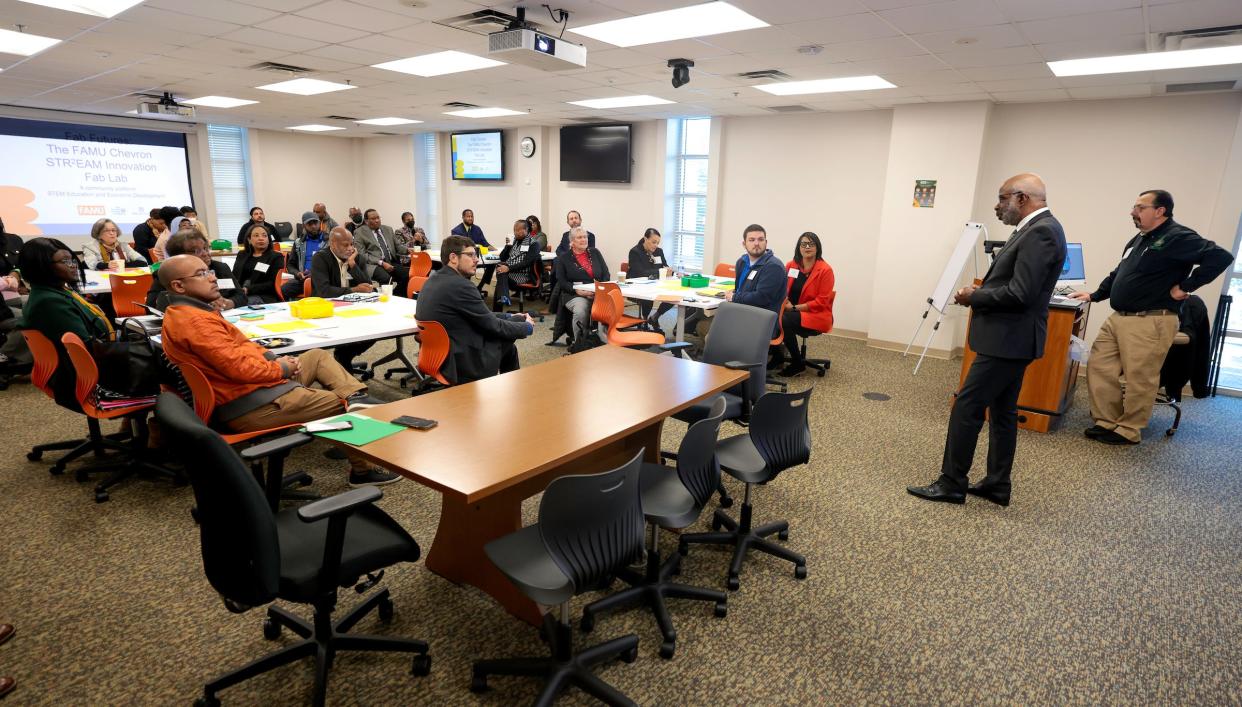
(657, 260)
(261, 267)
(793, 272)
(752, 274)
(523, 249)
(1127, 253)
(225, 284)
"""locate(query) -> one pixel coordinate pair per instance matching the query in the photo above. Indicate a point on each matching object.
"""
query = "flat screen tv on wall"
(478, 155)
(596, 153)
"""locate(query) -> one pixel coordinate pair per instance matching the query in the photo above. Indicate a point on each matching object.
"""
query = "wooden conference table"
(602, 406)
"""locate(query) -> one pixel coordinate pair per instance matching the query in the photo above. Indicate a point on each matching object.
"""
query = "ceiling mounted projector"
(533, 48)
(166, 107)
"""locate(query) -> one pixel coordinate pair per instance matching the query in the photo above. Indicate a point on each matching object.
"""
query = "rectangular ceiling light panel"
(669, 25)
(98, 8)
(306, 87)
(1152, 61)
(439, 64)
(848, 83)
(621, 102)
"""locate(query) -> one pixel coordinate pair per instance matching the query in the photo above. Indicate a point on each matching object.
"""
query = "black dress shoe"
(1111, 437)
(937, 492)
(1000, 498)
(1095, 431)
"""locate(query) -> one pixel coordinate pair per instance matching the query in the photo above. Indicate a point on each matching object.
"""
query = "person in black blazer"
(481, 342)
(1009, 324)
(518, 261)
(645, 260)
(257, 266)
(569, 272)
(256, 219)
(327, 281)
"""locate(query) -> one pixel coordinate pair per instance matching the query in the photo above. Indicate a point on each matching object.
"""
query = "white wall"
(1096, 156)
(820, 172)
(292, 171)
(496, 205)
(386, 177)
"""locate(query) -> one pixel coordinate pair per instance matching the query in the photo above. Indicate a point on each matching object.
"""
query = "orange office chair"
(45, 362)
(420, 264)
(725, 270)
(598, 314)
(307, 287)
(280, 280)
(531, 288)
(433, 351)
(128, 290)
(87, 374)
(276, 481)
(778, 340)
(613, 304)
(415, 286)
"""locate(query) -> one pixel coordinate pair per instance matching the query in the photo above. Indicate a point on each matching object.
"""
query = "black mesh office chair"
(284, 230)
(671, 499)
(590, 527)
(779, 438)
(821, 365)
(253, 557)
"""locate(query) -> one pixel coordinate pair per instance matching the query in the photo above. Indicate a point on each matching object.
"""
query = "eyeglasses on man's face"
(199, 273)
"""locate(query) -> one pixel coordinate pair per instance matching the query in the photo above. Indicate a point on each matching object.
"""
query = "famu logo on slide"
(90, 210)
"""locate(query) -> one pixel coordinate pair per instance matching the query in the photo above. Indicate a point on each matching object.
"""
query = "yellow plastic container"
(311, 308)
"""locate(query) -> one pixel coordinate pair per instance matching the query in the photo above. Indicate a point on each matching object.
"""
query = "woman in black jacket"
(580, 264)
(646, 260)
(256, 219)
(257, 266)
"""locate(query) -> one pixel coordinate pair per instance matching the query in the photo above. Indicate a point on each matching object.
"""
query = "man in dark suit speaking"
(1007, 331)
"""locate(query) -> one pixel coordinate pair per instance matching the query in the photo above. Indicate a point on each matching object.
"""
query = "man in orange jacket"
(254, 389)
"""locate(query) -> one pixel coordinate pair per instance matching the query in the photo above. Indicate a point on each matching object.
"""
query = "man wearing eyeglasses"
(1008, 327)
(1159, 269)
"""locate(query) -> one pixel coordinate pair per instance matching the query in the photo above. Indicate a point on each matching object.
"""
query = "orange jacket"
(233, 364)
(817, 294)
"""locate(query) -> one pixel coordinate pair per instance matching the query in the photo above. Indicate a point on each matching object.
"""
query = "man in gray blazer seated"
(481, 341)
(379, 254)
(1008, 327)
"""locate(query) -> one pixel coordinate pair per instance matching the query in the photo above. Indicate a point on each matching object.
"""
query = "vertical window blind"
(427, 152)
(690, 143)
(230, 177)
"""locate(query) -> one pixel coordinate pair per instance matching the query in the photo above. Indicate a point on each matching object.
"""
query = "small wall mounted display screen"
(479, 155)
(596, 153)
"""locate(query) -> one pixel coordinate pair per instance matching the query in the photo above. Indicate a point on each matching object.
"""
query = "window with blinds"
(427, 155)
(686, 190)
(230, 177)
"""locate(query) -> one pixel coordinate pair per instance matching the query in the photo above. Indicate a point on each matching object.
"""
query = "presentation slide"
(56, 179)
(478, 155)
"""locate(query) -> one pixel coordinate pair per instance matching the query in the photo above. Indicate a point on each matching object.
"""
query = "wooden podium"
(1048, 385)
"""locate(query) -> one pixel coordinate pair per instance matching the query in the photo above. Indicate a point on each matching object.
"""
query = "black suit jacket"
(569, 272)
(326, 274)
(530, 259)
(643, 265)
(1010, 308)
(477, 335)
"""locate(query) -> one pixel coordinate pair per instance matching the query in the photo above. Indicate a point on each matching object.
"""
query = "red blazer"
(818, 292)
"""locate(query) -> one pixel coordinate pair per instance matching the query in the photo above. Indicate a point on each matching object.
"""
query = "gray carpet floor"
(1115, 576)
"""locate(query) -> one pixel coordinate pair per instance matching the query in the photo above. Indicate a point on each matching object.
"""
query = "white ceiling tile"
(941, 16)
(844, 29)
(1127, 91)
(781, 13)
(967, 58)
(316, 63)
(45, 21)
(163, 20)
(878, 5)
(1095, 25)
(1196, 14)
(947, 89)
(1056, 94)
(1035, 70)
(1098, 46)
(927, 78)
(1019, 85)
(906, 64)
(757, 40)
(356, 55)
(964, 98)
(993, 37)
(222, 10)
(310, 29)
(350, 14)
(281, 5)
(873, 49)
(427, 37)
(439, 9)
(682, 48)
(617, 58)
(1024, 10)
(259, 37)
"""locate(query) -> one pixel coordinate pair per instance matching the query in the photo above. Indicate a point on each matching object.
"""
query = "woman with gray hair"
(107, 251)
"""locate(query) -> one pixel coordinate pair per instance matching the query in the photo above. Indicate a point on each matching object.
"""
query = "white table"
(657, 291)
(492, 261)
(99, 283)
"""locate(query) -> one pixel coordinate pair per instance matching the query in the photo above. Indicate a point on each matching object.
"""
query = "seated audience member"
(335, 272)
(468, 229)
(54, 307)
(481, 342)
(811, 283)
(355, 219)
(179, 224)
(254, 389)
(191, 242)
(256, 219)
(300, 256)
(573, 219)
(645, 260)
(535, 229)
(325, 221)
(13, 352)
(517, 265)
(146, 232)
(190, 213)
(581, 264)
(107, 251)
(760, 280)
(410, 236)
(168, 223)
(257, 266)
(379, 254)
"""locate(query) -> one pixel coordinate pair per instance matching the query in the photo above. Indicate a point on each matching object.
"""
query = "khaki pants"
(306, 404)
(1135, 347)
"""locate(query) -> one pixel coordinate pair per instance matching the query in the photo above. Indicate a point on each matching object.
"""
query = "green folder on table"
(366, 430)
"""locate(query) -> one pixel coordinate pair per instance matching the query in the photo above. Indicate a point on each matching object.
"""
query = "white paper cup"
(386, 290)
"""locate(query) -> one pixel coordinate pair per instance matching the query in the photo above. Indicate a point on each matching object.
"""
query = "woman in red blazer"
(810, 294)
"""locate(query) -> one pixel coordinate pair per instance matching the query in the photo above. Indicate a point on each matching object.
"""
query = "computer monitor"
(1073, 272)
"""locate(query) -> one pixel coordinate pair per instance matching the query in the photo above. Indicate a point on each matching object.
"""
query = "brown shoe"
(6, 632)
(6, 685)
